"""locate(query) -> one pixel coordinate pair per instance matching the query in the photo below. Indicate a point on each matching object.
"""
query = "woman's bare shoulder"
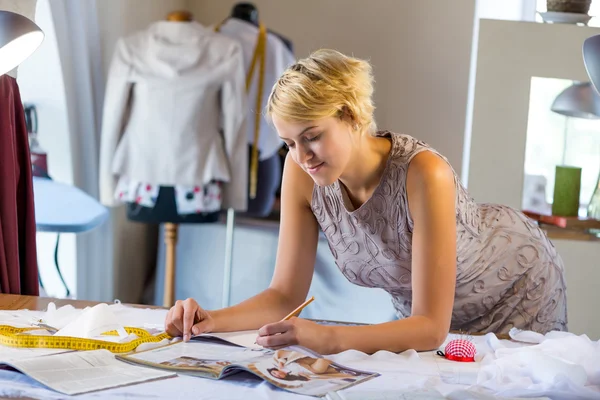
(429, 165)
(297, 182)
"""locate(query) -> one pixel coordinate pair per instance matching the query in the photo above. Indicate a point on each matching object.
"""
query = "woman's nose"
(304, 153)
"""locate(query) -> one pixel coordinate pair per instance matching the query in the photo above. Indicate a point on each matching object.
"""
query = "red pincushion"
(459, 350)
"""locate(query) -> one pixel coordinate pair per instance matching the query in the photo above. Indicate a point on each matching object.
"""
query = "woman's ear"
(347, 116)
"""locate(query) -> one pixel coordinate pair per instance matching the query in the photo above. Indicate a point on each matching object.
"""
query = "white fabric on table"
(562, 366)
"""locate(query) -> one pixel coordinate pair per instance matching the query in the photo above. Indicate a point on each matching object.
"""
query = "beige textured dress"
(508, 272)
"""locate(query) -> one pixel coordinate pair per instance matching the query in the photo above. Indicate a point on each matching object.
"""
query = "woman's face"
(322, 148)
(279, 374)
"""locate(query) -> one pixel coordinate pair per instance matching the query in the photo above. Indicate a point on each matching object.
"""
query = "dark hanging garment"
(18, 261)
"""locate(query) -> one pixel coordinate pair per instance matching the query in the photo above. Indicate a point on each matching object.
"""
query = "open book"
(219, 355)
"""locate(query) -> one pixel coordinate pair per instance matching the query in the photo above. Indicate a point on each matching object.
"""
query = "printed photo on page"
(294, 369)
(302, 373)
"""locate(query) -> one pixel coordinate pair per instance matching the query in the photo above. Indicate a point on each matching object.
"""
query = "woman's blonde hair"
(325, 84)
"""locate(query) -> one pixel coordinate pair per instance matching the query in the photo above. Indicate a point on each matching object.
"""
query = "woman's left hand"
(298, 331)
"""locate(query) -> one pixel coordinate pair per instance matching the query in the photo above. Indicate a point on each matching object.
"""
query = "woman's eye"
(288, 146)
(314, 139)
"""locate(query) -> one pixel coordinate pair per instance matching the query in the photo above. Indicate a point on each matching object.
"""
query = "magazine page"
(241, 338)
(303, 372)
(294, 368)
(201, 358)
(19, 353)
(83, 371)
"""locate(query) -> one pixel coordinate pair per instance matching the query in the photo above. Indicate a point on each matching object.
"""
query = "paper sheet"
(19, 318)
(241, 338)
(86, 371)
(92, 322)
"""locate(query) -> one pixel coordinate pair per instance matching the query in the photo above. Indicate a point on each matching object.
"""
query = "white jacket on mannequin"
(278, 58)
(174, 112)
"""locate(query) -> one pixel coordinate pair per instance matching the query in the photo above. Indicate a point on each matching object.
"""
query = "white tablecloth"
(552, 368)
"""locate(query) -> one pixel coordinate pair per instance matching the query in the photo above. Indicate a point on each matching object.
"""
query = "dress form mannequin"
(180, 16)
(165, 210)
(249, 13)
(173, 124)
(268, 183)
(269, 169)
(171, 228)
(245, 11)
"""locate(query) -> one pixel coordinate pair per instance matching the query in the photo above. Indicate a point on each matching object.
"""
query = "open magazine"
(76, 372)
(219, 355)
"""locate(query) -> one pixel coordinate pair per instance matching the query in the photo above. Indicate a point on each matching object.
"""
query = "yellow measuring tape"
(17, 337)
(260, 55)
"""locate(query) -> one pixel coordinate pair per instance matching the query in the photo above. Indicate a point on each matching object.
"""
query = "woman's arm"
(294, 267)
(431, 198)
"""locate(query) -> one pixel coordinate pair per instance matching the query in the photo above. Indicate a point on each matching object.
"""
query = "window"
(553, 139)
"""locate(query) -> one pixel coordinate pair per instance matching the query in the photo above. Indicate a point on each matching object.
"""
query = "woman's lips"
(314, 169)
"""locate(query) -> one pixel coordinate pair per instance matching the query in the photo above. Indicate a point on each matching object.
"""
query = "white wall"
(41, 83)
(420, 51)
(513, 10)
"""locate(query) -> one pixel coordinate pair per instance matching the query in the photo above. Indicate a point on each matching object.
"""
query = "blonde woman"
(396, 217)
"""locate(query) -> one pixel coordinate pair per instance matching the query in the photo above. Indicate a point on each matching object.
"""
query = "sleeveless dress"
(508, 272)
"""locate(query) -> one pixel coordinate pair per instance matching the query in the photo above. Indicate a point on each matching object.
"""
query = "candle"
(567, 187)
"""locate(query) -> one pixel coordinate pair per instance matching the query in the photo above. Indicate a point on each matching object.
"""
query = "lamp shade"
(591, 59)
(579, 100)
(19, 38)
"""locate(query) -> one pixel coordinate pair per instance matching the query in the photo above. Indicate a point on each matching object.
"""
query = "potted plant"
(569, 6)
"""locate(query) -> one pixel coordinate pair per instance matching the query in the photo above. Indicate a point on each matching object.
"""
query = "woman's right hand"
(186, 318)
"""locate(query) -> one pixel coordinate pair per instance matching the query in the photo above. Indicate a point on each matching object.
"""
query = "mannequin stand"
(171, 233)
(171, 247)
(228, 258)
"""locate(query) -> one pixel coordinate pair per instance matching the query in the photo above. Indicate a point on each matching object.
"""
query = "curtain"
(79, 48)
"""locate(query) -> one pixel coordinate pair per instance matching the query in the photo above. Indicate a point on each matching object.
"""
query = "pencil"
(299, 309)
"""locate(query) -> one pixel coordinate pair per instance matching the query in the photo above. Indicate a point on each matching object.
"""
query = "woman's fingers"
(276, 335)
(276, 341)
(201, 327)
(181, 318)
(189, 313)
(177, 316)
(172, 326)
(274, 328)
(169, 327)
